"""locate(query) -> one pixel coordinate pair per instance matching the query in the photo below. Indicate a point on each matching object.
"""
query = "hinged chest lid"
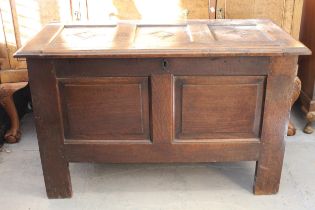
(195, 38)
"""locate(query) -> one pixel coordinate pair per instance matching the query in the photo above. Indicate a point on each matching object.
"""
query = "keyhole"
(164, 64)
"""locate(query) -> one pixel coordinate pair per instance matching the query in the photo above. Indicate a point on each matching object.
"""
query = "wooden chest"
(135, 92)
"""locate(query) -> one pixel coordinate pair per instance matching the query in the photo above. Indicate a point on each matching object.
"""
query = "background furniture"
(195, 91)
(307, 65)
(10, 82)
(295, 95)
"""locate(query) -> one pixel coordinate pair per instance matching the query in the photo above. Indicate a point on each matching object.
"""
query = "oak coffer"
(136, 92)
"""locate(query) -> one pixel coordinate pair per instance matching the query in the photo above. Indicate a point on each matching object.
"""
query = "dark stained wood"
(214, 151)
(106, 67)
(198, 91)
(105, 109)
(49, 128)
(275, 121)
(178, 66)
(217, 66)
(162, 108)
(307, 65)
(209, 107)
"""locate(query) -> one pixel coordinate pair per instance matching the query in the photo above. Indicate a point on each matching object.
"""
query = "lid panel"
(84, 38)
(182, 39)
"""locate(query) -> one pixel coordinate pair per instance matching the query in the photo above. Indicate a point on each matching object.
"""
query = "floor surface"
(220, 186)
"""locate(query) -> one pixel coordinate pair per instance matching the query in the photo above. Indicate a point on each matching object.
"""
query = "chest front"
(199, 91)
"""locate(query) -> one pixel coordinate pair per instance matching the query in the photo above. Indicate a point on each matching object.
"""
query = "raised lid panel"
(189, 38)
(81, 38)
(151, 36)
(240, 33)
(159, 36)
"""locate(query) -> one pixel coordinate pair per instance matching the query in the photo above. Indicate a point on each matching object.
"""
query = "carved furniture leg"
(310, 117)
(295, 95)
(6, 99)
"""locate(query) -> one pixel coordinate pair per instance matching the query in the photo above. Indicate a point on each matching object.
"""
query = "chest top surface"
(195, 38)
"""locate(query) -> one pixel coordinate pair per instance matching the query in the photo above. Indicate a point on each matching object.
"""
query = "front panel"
(218, 107)
(109, 109)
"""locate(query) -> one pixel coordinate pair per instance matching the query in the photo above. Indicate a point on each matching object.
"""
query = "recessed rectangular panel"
(218, 107)
(108, 109)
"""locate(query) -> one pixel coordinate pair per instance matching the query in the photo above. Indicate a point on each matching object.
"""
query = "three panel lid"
(194, 38)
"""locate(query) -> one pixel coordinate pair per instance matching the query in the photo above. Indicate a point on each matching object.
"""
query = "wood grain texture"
(49, 128)
(286, 13)
(181, 39)
(177, 66)
(11, 42)
(40, 12)
(275, 123)
(297, 18)
(162, 108)
(253, 9)
(210, 107)
(179, 101)
(164, 153)
(4, 56)
(11, 76)
(105, 109)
